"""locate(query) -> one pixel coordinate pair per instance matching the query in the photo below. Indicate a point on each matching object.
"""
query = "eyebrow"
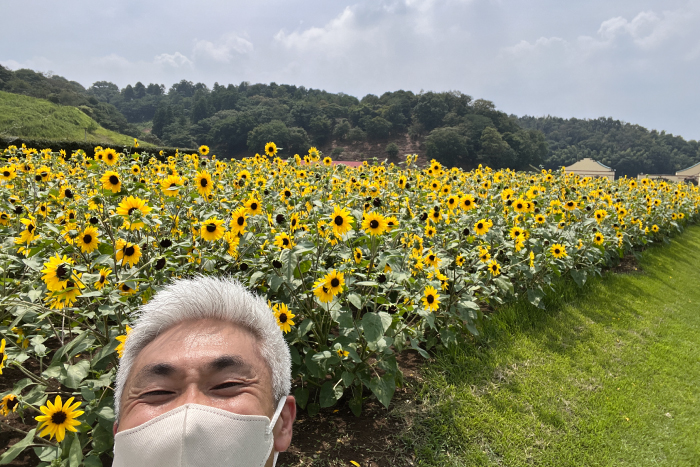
(221, 363)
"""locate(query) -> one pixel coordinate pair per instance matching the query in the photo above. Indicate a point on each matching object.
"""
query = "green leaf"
(75, 455)
(372, 326)
(17, 448)
(275, 282)
(313, 409)
(305, 326)
(289, 263)
(102, 440)
(355, 300)
(36, 396)
(347, 378)
(504, 284)
(255, 277)
(75, 374)
(535, 296)
(92, 461)
(46, 454)
(106, 412)
(304, 266)
(302, 396)
(579, 277)
(383, 388)
(330, 393)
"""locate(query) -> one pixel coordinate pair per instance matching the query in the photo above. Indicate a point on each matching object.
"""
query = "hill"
(30, 117)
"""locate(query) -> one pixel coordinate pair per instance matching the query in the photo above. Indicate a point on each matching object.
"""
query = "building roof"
(692, 170)
(589, 165)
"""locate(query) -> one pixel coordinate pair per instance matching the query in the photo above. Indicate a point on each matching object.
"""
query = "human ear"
(283, 428)
(115, 428)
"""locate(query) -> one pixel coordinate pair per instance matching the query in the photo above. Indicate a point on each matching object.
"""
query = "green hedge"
(89, 148)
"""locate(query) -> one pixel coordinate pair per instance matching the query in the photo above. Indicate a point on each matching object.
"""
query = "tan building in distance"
(689, 175)
(588, 167)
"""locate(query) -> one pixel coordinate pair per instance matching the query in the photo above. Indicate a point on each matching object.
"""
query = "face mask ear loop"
(280, 406)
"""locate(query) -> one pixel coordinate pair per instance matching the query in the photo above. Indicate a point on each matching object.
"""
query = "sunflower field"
(358, 264)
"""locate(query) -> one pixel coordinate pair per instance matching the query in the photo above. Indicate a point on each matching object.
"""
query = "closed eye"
(226, 385)
(158, 393)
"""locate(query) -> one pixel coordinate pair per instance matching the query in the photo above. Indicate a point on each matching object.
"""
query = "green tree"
(275, 131)
(448, 146)
(392, 150)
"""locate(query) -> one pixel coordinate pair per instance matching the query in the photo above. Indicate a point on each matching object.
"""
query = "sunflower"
(171, 185)
(4, 218)
(482, 227)
(66, 297)
(59, 417)
(654, 228)
(494, 268)
(334, 281)
(128, 207)
(253, 206)
(203, 183)
(128, 253)
(341, 220)
(3, 355)
(204, 150)
(460, 260)
(270, 149)
(431, 300)
(294, 222)
(540, 219)
(111, 181)
(7, 173)
(87, 240)
(357, 254)
(570, 205)
(9, 404)
(374, 223)
(322, 291)
(432, 259)
(313, 152)
(102, 281)
(285, 194)
(327, 161)
(29, 233)
(558, 250)
(598, 238)
(284, 317)
(126, 290)
(212, 229)
(110, 156)
(284, 241)
(122, 340)
(57, 271)
(516, 232)
(520, 205)
(484, 255)
(239, 220)
(600, 215)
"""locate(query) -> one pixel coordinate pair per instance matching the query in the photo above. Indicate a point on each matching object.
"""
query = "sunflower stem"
(44, 441)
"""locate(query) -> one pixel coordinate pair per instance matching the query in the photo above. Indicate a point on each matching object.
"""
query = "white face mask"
(196, 435)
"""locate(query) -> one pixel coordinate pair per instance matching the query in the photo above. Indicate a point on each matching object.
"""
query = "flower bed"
(358, 264)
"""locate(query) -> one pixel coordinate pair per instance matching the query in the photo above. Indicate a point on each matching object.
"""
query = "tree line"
(452, 127)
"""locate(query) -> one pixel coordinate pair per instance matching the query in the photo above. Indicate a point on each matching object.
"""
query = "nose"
(193, 395)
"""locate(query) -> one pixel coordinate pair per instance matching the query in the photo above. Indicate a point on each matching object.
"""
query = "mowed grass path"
(607, 376)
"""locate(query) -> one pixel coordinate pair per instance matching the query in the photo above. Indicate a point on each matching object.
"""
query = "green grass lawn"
(38, 118)
(607, 375)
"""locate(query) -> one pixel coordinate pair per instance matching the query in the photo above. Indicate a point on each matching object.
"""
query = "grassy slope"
(609, 375)
(37, 118)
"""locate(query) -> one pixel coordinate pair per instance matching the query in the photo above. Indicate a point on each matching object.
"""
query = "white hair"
(208, 298)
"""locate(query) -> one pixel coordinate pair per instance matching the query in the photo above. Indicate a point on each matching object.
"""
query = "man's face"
(207, 362)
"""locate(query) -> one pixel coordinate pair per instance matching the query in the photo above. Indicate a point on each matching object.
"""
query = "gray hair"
(208, 298)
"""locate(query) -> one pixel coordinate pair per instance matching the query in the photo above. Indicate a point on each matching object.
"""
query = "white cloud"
(224, 50)
(176, 60)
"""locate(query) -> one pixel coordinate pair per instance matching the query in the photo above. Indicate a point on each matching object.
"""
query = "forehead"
(190, 344)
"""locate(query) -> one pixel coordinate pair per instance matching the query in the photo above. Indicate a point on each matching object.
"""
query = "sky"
(633, 60)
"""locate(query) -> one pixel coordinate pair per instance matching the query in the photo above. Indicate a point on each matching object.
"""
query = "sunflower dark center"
(240, 221)
(62, 271)
(131, 210)
(283, 318)
(430, 299)
(30, 228)
(129, 251)
(374, 224)
(287, 193)
(103, 278)
(254, 206)
(114, 180)
(70, 284)
(59, 417)
(204, 182)
(12, 403)
(479, 225)
(211, 228)
(285, 241)
(6, 173)
(110, 156)
(125, 288)
(87, 239)
(335, 282)
(69, 193)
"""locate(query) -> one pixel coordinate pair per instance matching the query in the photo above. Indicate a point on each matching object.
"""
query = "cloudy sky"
(636, 60)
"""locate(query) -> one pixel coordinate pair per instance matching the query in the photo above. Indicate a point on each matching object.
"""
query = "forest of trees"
(237, 120)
